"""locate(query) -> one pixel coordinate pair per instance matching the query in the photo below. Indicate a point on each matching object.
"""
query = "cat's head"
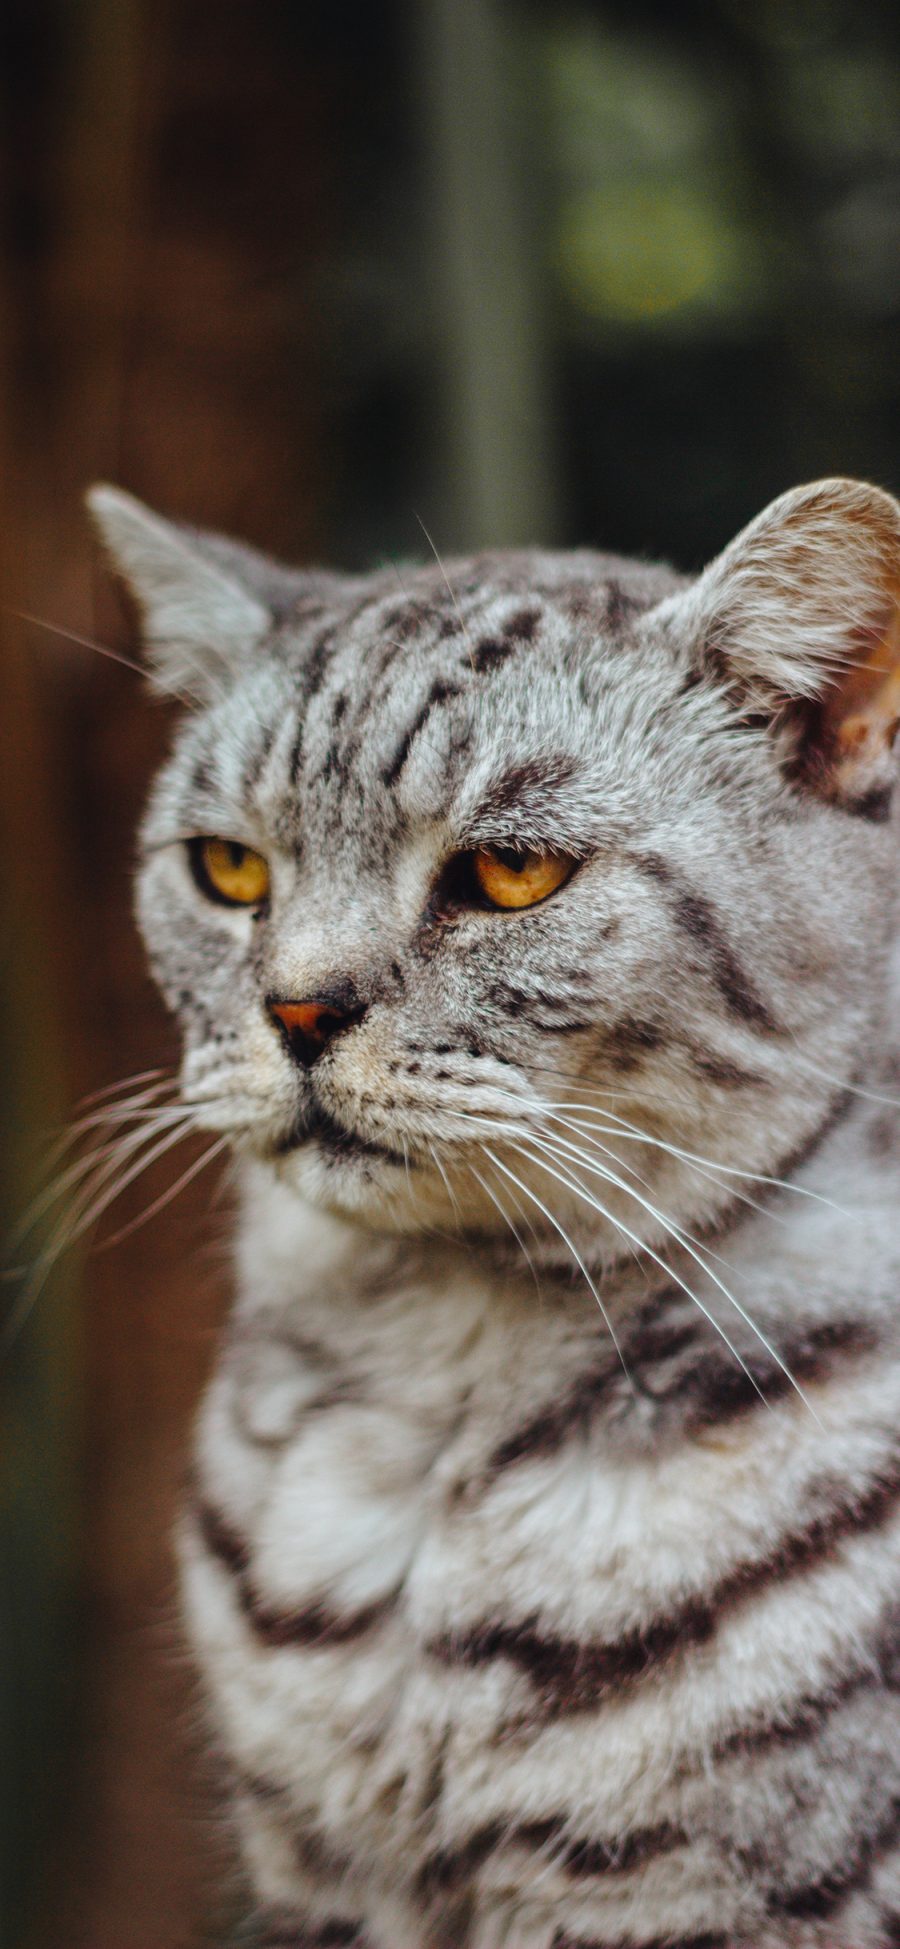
(549, 886)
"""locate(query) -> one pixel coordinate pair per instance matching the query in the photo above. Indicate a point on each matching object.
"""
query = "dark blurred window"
(700, 301)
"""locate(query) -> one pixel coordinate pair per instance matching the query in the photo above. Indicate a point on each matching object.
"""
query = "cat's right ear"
(797, 622)
(199, 619)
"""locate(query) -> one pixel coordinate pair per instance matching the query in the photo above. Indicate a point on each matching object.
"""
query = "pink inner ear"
(861, 713)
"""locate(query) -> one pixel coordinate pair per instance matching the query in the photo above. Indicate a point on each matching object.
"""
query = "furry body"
(512, 1639)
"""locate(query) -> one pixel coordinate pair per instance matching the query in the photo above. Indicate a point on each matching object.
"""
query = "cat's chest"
(346, 1469)
(417, 1582)
(312, 1558)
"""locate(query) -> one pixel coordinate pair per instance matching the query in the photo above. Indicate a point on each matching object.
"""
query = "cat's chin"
(377, 1187)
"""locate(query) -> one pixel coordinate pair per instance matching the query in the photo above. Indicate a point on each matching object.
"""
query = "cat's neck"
(790, 1266)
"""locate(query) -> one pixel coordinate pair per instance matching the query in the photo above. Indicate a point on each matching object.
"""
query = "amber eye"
(511, 879)
(227, 871)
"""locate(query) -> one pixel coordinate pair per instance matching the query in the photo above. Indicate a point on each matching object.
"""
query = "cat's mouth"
(318, 1126)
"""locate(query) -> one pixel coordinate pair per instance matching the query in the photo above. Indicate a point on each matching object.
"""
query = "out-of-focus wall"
(168, 195)
(591, 273)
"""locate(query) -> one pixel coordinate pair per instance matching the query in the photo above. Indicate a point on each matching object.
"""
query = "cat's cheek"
(196, 950)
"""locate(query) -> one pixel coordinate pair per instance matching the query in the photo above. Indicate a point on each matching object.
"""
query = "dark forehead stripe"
(621, 607)
(203, 778)
(414, 626)
(523, 626)
(315, 669)
(585, 602)
(411, 617)
(256, 763)
(398, 634)
(460, 605)
(336, 758)
(439, 694)
(493, 650)
(532, 779)
(296, 757)
(331, 637)
(695, 915)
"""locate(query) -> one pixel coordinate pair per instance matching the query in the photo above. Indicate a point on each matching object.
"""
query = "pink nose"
(309, 1026)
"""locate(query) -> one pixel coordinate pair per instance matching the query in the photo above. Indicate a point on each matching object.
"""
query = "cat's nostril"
(309, 1026)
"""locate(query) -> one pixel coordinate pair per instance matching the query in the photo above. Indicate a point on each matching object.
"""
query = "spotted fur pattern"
(542, 1556)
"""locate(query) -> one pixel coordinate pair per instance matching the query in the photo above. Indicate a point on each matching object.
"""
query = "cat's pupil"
(514, 862)
(236, 853)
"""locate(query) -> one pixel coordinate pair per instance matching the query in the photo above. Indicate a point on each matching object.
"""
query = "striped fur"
(541, 1557)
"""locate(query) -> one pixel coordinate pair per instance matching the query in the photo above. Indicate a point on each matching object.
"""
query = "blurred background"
(316, 274)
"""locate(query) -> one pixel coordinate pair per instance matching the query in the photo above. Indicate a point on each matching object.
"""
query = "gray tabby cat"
(532, 934)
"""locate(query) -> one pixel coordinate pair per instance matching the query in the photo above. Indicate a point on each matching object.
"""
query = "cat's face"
(544, 894)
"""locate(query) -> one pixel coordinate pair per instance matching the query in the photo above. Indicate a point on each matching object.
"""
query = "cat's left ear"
(200, 614)
(799, 620)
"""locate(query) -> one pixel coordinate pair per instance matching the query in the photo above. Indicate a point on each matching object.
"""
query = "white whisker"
(94, 1198)
(495, 1200)
(63, 1182)
(702, 1167)
(633, 1133)
(436, 1160)
(160, 1076)
(669, 1271)
(629, 1132)
(166, 1197)
(554, 1221)
(101, 649)
(839, 1082)
(556, 1146)
(573, 1184)
(97, 1119)
(459, 615)
(679, 1238)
